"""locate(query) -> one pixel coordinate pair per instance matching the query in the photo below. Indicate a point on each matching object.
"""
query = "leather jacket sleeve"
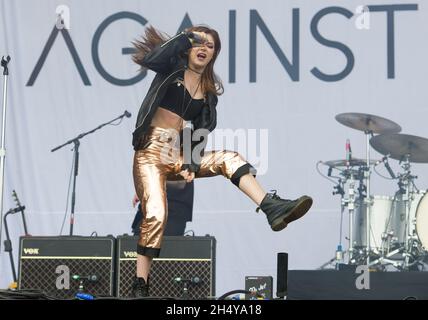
(163, 58)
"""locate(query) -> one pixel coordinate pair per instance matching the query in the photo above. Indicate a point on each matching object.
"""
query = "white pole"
(4, 63)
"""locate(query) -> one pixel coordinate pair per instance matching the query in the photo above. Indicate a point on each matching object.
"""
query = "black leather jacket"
(169, 63)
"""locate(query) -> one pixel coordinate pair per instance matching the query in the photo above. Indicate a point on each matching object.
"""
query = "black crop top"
(173, 101)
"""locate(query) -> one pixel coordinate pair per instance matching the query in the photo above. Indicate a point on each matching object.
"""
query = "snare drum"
(380, 214)
(417, 223)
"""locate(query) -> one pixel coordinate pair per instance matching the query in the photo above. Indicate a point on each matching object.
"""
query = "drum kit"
(383, 230)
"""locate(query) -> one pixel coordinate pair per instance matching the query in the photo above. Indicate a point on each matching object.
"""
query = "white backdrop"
(299, 115)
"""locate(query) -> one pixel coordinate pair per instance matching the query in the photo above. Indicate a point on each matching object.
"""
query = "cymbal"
(352, 163)
(368, 123)
(397, 146)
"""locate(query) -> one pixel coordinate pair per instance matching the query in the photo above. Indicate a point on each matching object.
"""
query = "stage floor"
(341, 285)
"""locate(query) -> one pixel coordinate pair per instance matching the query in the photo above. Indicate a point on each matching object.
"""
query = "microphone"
(348, 153)
(17, 209)
(127, 114)
(388, 168)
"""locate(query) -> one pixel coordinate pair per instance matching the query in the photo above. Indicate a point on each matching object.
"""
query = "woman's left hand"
(188, 176)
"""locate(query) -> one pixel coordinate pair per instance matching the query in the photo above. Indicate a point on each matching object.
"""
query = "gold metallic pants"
(160, 160)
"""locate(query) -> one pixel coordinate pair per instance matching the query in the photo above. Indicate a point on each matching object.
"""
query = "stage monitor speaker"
(184, 269)
(57, 266)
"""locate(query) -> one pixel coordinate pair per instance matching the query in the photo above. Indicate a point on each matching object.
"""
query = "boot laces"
(272, 194)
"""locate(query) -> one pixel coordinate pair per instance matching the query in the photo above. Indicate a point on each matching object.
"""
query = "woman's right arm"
(162, 58)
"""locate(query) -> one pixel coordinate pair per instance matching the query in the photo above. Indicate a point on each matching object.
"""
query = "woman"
(185, 88)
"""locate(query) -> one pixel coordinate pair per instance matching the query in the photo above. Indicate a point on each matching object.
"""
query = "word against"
(259, 33)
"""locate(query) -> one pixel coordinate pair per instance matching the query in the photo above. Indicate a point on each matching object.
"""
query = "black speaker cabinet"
(185, 268)
(59, 265)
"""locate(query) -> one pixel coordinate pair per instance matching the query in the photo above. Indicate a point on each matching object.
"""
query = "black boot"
(281, 212)
(140, 288)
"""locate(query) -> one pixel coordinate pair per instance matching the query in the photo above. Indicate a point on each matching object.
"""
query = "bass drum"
(422, 222)
(417, 223)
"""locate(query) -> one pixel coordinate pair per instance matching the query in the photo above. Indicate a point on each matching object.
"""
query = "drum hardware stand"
(327, 263)
(406, 185)
(350, 177)
(407, 182)
(350, 203)
(368, 199)
(338, 189)
(361, 188)
(387, 239)
(383, 259)
(340, 254)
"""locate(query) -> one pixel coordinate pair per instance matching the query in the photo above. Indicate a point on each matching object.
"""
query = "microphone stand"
(76, 142)
(4, 63)
(8, 242)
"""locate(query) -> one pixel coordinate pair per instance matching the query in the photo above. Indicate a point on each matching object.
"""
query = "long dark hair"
(152, 38)
(149, 40)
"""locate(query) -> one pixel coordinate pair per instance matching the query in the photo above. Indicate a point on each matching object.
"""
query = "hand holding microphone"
(197, 38)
